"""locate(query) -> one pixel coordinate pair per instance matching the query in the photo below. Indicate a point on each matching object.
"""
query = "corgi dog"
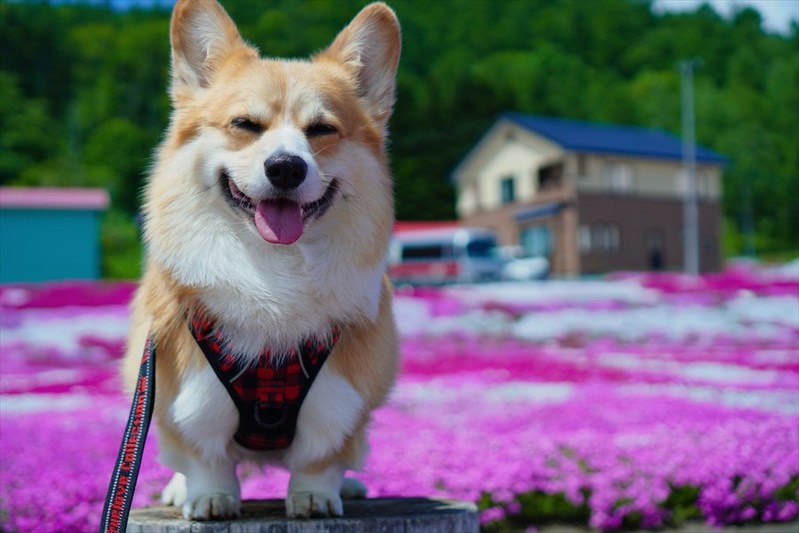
(268, 213)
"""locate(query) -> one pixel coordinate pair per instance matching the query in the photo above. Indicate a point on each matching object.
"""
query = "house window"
(601, 238)
(606, 238)
(584, 238)
(582, 169)
(549, 177)
(619, 177)
(702, 183)
(507, 192)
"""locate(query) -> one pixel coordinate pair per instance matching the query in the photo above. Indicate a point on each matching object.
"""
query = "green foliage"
(122, 251)
(789, 492)
(115, 155)
(28, 134)
(538, 508)
(682, 504)
(84, 89)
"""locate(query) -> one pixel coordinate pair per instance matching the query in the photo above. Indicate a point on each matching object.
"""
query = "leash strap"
(119, 498)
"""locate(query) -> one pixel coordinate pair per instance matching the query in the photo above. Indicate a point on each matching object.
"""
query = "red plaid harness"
(267, 396)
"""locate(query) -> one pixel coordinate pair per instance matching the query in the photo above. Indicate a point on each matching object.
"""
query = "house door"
(655, 246)
(536, 241)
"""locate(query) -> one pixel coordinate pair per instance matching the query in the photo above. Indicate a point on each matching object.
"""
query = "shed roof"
(582, 136)
(54, 198)
(405, 226)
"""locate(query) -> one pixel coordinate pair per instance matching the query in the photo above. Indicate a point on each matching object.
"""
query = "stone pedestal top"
(378, 515)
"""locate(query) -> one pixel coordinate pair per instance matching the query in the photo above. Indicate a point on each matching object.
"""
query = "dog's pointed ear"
(369, 48)
(203, 36)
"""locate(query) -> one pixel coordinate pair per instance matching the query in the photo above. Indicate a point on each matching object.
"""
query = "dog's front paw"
(208, 506)
(308, 504)
(175, 491)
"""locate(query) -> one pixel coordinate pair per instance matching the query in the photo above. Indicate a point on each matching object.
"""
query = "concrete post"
(378, 515)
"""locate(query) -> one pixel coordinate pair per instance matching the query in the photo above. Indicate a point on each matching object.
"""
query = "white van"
(444, 255)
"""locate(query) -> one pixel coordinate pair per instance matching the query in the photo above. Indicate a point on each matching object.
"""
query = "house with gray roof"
(590, 197)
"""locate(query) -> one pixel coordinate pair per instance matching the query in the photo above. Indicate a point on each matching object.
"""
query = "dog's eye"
(246, 124)
(319, 129)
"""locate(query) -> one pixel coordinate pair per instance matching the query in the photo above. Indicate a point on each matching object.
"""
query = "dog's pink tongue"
(279, 221)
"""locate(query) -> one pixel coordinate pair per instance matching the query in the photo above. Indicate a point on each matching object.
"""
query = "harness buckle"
(271, 415)
(271, 409)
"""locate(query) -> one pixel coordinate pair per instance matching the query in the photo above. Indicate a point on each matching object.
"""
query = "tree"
(84, 88)
(28, 134)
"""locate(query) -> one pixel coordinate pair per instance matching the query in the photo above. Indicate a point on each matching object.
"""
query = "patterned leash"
(123, 481)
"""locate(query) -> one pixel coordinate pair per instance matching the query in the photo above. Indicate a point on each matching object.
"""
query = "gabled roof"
(581, 136)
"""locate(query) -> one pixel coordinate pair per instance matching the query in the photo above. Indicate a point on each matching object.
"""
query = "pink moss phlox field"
(615, 395)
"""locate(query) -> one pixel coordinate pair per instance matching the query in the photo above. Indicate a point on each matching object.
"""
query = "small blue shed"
(49, 234)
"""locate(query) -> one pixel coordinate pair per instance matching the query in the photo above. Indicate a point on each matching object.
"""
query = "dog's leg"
(204, 488)
(316, 493)
(317, 489)
(175, 491)
(213, 490)
(210, 496)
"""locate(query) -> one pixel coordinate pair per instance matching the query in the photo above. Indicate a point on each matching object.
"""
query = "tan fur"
(215, 79)
(371, 376)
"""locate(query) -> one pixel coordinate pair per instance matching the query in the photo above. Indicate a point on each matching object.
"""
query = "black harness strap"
(268, 395)
(123, 480)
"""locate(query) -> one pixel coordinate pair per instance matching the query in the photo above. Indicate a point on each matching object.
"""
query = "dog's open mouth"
(279, 220)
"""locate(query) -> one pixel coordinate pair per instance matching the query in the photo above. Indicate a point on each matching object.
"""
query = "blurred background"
(532, 140)
(84, 102)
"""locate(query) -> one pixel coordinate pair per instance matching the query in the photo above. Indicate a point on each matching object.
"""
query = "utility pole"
(690, 203)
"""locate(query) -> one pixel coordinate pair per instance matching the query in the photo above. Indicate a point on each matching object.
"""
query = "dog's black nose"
(285, 171)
